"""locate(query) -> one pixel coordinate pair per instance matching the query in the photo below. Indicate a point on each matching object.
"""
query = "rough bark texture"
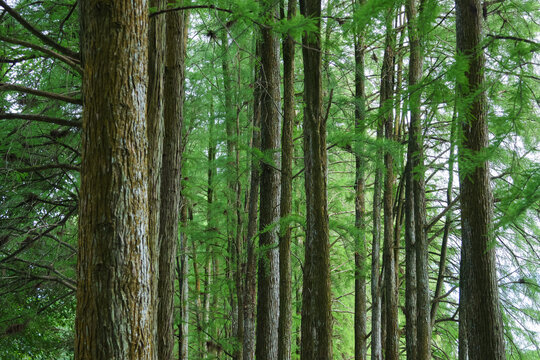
(360, 312)
(416, 150)
(156, 67)
(171, 178)
(114, 304)
(480, 296)
(410, 262)
(316, 324)
(251, 272)
(285, 286)
(390, 285)
(182, 270)
(268, 266)
(376, 301)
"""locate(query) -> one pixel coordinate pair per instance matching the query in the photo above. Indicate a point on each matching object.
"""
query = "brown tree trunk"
(316, 325)
(114, 295)
(287, 153)
(390, 284)
(410, 262)
(182, 270)
(156, 63)
(416, 150)
(360, 308)
(268, 267)
(251, 272)
(171, 177)
(480, 293)
(376, 296)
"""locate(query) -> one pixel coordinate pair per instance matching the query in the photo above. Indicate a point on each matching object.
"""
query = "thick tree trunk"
(416, 150)
(268, 267)
(390, 284)
(316, 296)
(114, 295)
(360, 308)
(480, 292)
(171, 178)
(287, 153)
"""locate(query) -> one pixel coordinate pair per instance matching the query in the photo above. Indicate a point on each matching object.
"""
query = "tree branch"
(44, 38)
(181, 8)
(50, 95)
(40, 118)
(49, 167)
(53, 54)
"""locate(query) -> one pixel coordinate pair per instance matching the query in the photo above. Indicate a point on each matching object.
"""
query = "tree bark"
(360, 307)
(480, 293)
(251, 272)
(316, 324)
(171, 177)
(390, 284)
(114, 295)
(416, 149)
(287, 153)
(268, 266)
(156, 67)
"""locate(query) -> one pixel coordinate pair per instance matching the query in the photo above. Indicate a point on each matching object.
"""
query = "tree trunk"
(287, 153)
(390, 284)
(268, 267)
(182, 270)
(360, 312)
(171, 177)
(480, 292)
(250, 273)
(156, 63)
(416, 149)
(114, 295)
(316, 326)
(410, 262)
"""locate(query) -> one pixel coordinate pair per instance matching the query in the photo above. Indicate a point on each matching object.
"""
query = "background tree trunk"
(171, 177)
(316, 325)
(389, 258)
(360, 308)
(287, 153)
(268, 267)
(114, 295)
(480, 292)
(156, 67)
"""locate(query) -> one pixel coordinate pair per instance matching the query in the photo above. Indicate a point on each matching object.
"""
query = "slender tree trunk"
(360, 308)
(316, 295)
(250, 273)
(268, 267)
(156, 67)
(390, 285)
(171, 178)
(114, 293)
(480, 292)
(182, 270)
(410, 262)
(416, 149)
(287, 153)
(376, 296)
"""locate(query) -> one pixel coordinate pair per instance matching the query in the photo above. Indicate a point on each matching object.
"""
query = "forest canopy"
(270, 179)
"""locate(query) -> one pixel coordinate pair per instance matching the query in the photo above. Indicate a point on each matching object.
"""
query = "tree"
(114, 295)
(268, 266)
(316, 295)
(479, 305)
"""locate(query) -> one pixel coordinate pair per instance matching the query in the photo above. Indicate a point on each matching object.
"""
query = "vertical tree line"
(239, 186)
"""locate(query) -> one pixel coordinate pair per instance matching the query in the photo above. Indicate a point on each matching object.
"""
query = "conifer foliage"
(269, 179)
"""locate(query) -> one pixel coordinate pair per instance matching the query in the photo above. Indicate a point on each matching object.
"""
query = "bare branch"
(50, 95)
